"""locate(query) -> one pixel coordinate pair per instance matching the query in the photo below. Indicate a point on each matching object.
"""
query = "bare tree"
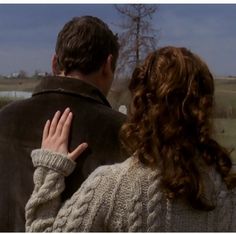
(138, 37)
(22, 74)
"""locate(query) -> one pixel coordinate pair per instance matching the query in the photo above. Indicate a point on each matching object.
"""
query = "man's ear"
(55, 69)
(107, 68)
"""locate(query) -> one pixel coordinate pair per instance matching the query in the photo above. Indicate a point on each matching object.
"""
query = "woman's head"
(170, 118)
(170, 71)
(172, 96)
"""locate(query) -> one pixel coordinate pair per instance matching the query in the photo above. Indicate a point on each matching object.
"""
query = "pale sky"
(28, 32)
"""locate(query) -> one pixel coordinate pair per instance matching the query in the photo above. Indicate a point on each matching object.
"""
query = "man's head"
(84, 45)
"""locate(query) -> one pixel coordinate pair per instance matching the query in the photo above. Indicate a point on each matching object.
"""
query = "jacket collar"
(70, 86)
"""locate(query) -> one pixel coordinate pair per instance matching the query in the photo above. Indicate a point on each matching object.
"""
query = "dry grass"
(225, 96)
(16, 84)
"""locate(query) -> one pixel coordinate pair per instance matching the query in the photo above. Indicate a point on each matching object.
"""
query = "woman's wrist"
(54, 161)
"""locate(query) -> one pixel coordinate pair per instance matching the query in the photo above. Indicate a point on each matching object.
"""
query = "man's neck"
(91, 79)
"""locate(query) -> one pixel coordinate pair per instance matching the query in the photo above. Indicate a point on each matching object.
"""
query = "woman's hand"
(56, 134)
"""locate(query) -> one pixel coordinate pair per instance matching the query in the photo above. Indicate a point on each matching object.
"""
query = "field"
(225, 102)
(225, 95)
(16, 84)
(225, 133)
(225, 128)
(225, 110)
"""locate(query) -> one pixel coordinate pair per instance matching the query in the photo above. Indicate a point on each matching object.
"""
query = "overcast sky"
(28, 32)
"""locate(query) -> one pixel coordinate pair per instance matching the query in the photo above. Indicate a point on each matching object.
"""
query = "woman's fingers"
(56, 134)
(66, 126)
(78, 151)
(62, 122)
(54, 122)
(46, 130)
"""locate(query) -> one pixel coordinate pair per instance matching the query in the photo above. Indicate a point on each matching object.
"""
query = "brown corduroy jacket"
(21, 125)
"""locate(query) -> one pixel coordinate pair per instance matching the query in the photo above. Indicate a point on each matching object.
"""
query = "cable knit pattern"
(168, 215)
(45, 195)
(224, 214)
(233, 211)
(114, 194)
(135, 215)
(154, 202)
(82, 207)
(121, 197)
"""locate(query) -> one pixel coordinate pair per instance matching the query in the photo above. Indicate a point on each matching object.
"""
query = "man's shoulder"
(116, 113)
(106, 112)
(11, 106)
(15, 106)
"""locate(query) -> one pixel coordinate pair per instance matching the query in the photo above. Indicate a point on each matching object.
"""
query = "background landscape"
(224, 114)
(29, 32)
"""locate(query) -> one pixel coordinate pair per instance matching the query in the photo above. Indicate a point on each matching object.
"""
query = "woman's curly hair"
(169, 123)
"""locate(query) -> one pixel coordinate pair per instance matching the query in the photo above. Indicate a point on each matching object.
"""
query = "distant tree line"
(224, 111)
(120, 95)
(22, 74)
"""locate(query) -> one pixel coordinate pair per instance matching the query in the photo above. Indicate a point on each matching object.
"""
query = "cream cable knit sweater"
(122, 197)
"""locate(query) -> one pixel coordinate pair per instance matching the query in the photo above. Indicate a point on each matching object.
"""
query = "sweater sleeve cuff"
(52, 160)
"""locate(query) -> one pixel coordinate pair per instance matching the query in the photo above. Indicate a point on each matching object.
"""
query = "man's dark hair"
(84, 44)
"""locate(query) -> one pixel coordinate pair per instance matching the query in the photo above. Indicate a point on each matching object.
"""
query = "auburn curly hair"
(169, 125)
